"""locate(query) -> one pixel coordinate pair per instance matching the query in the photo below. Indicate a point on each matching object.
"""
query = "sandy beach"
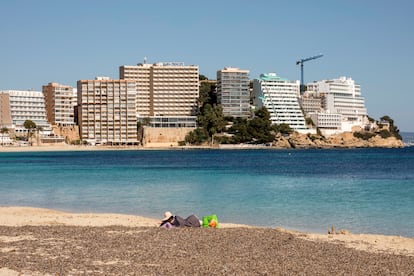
(35, 241)
(64, 147)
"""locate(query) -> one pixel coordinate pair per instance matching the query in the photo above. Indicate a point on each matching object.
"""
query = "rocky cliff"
(343, 140)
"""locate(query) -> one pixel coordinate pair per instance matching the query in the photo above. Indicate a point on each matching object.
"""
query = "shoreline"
(17, 216)
(60, 148)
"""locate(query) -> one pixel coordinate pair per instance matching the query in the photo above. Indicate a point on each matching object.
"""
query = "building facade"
(326, 121)
(59, 102)
(233, 92)
(5, 114)
(280, 97)
(342, 96)
(167, 92)
(311, 102)
(27, 105)
(106, 111)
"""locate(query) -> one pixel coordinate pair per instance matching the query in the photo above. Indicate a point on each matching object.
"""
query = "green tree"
(211, 119)
(240, 132)
(283, 128)
(30, 126)
(207, 94)
(257, 130)
(146, 121)
(202, 77)
(197, 136)
(260, 126)
(309, 121)
(393, 128)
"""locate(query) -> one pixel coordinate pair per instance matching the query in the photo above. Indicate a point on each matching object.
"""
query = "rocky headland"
(342, 140)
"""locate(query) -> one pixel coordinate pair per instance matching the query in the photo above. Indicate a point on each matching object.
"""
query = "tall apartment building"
(26, 105)
(233, 92)
(106, 111)
(342, 96)
(59, 104)
(5, 114)
(280, 97)
(167, 92)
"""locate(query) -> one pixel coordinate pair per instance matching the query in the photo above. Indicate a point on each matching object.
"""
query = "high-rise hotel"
(280, 97)
(233, 92)
(167, 92)
(106, 111)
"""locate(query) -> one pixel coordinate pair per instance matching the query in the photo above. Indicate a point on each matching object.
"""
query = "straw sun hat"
(167, 216)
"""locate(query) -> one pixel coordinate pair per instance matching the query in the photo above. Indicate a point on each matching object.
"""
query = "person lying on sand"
(170, 221)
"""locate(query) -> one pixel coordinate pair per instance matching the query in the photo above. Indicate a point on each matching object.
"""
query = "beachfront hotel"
(167, 92)
(22, 105)
(59, 102)
(280, 97)
(233, 92)
(342, 96)
(106, 111)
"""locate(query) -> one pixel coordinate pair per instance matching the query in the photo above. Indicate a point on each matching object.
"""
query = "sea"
(368, 190)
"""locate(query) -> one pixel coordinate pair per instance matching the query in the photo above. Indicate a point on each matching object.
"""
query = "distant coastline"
(299, 141)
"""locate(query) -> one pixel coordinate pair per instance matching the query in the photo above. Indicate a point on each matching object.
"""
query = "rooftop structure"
(280, 97)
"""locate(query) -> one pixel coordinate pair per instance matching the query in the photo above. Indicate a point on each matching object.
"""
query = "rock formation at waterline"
(342, 140)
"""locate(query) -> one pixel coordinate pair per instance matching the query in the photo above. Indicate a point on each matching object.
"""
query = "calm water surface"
(362, 190)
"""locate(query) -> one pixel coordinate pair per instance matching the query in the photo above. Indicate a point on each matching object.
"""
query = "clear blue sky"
(64, 41)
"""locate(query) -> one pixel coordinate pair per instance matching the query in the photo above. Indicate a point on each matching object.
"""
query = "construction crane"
(301, 61)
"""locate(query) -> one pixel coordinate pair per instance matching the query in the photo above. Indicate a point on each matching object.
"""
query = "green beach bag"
(210, 221)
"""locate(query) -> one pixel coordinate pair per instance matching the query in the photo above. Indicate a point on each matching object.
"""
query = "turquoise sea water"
(362, 190)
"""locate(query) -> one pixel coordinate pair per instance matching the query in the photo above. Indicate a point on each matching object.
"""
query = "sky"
(65, 41)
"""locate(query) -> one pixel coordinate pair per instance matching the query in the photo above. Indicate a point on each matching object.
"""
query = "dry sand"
(36, 241)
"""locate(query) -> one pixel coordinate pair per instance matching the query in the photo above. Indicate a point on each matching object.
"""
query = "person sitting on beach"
(170, 221)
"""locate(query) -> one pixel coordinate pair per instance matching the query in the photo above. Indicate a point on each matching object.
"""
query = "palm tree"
(30, 126)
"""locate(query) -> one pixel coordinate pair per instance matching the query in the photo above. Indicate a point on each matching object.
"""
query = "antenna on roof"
(145, 60)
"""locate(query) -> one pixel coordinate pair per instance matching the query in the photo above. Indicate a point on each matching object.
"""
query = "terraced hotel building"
(280, 97)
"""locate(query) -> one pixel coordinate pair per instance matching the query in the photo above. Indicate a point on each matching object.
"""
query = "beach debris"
(331, 231)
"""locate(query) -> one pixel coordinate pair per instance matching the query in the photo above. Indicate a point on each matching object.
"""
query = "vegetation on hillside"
(393, 129)
(214, 128)
(386, 128)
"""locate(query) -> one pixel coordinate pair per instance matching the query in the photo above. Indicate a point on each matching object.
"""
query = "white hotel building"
(342, 96)
(280, 97)
(26, 105)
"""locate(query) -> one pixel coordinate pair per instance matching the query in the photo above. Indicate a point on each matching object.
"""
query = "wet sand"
(37, 241)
